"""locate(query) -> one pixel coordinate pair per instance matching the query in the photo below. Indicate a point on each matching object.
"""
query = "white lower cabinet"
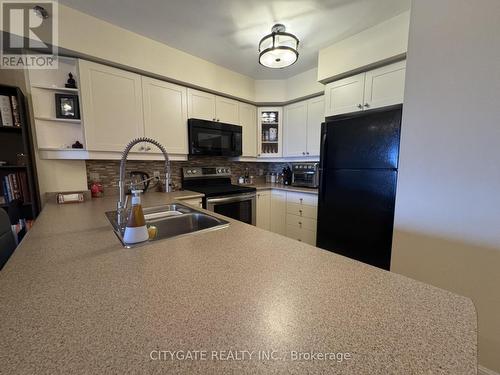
(278, 212)
(263, 214)
(291, 214)
(301, 218)
(302, 235)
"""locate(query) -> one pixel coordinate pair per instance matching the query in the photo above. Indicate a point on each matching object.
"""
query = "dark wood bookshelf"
(14, 141)
(11, 129)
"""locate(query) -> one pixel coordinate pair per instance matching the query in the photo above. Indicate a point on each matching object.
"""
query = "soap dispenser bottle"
(136, 230)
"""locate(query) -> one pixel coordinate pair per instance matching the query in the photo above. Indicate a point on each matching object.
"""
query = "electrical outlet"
(156, 174)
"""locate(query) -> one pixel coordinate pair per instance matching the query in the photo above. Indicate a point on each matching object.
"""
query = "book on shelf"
(15, 186)
(6, 111)
(15, 111)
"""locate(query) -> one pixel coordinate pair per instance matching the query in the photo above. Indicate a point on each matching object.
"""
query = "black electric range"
(221, 196)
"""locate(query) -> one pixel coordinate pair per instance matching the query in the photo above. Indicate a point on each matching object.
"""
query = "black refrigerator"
(357, 192)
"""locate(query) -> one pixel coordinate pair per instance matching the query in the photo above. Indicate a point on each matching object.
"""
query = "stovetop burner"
(212, 181)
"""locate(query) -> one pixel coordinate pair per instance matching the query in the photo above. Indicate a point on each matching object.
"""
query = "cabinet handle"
(300, 223)
(213, 119)
(141, 148)
(360, 106)
(148, 148)
(301, 199)
(300, 212)
(367, 105)
(307, 153)
(218, 119)
(303, 153)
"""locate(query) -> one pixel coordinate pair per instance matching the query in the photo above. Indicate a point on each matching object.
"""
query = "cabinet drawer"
(301, 222)
(303, 235)
(302, 198)
(302, 210)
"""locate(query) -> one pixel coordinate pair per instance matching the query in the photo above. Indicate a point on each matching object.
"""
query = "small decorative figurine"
(77, 145)
(71, 84)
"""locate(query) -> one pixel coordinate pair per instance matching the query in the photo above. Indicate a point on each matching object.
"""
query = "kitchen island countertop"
(73, 301)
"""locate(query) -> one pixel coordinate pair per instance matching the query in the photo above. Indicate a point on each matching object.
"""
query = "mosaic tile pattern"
(108, 170)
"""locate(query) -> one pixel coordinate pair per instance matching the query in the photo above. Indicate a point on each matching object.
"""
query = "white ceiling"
(227, 32)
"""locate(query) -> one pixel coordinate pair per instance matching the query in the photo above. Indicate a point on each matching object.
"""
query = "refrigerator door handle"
(322, 159)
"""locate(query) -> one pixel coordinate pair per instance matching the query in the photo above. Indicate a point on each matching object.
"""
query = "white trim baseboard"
(485, 371)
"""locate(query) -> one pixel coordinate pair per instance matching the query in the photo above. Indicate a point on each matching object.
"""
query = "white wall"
(295, 87)
(447, 223)
(89, 36)
(384, 41)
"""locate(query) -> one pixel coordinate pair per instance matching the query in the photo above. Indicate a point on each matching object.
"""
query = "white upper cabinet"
(111, 106)
(269, 132)
(206, 106)
(303, 127)
(248, 122)
(201, 105)
(227, 110)
(295, 129)
(165, 115)
(315, 116)
(376, 88)
(345, 95)
(385, 86)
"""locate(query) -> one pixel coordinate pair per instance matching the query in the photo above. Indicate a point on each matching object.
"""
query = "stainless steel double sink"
(169, 221)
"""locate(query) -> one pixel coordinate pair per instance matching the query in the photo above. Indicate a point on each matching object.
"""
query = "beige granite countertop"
(73, 301)
(270, 186)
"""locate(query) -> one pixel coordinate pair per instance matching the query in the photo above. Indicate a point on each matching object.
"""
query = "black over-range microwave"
(214, 138)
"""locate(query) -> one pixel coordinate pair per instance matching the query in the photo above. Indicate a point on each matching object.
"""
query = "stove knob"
(194, 171)
(188, 171)
(226, 170)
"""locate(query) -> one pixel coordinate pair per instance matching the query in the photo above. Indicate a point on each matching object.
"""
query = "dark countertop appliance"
(214, 138)
(222, 197)
(357, 192)
(305, 175)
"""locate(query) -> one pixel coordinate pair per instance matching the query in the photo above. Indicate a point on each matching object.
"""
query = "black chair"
(7, 243)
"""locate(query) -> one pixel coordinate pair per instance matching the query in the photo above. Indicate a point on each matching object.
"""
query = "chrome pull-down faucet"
(121, 205)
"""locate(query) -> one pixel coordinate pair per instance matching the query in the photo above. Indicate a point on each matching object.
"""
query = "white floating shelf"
(54, 88)
(72, 121)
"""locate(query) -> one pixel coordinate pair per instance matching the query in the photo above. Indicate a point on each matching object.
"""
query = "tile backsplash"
(108, 170)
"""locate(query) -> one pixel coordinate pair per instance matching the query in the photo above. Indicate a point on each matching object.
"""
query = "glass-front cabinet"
(270, 132)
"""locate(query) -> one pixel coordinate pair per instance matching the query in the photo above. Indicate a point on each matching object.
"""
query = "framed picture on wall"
(67, 106)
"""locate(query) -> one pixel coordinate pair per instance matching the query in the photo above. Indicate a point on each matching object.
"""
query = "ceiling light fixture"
(278, 49)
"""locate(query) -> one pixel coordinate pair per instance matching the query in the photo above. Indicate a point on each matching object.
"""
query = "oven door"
(239, 207)
(214, 138)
